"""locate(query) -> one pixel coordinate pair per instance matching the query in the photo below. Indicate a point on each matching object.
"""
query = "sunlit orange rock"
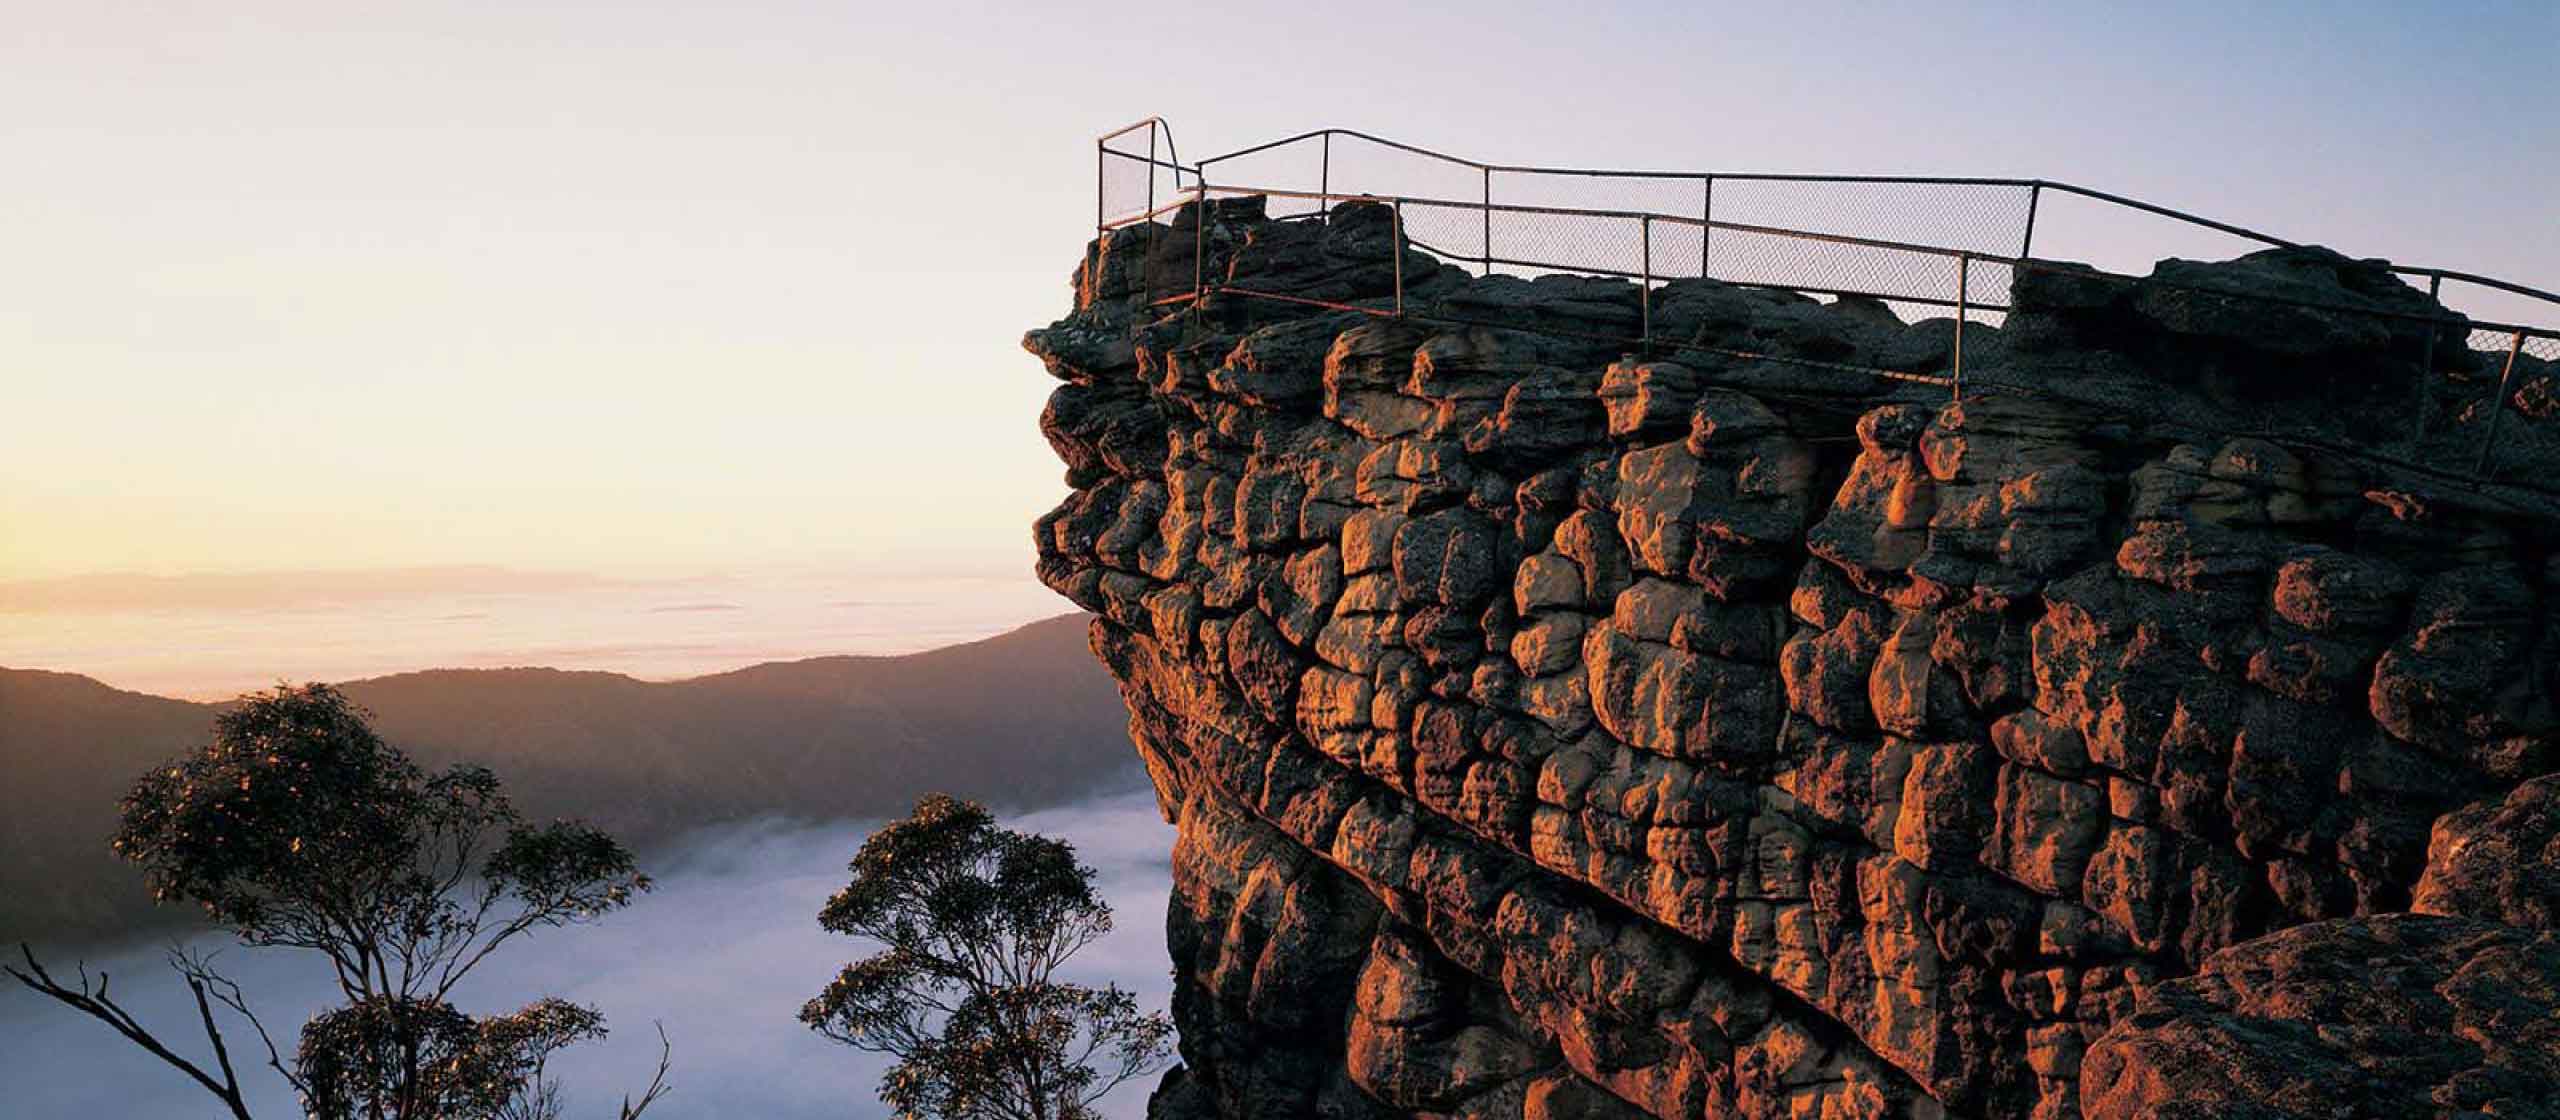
(1559, 731)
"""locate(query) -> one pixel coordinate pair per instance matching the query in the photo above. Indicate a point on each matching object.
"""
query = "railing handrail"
(1621, 173)
(1142, 122)
(1191, 195)
(1199, 173)
(2433, 316)
(2509, 287)
(1195, 192)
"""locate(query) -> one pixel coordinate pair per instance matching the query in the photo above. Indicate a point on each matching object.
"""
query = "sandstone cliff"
(1554, 731)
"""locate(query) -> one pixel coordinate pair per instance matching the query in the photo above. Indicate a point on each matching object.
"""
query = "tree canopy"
(298, 827)
(975, 921)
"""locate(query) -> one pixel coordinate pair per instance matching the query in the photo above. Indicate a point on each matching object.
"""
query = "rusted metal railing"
(1970, 247)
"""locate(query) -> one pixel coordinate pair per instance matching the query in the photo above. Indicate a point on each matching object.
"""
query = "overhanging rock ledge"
(1555, 731)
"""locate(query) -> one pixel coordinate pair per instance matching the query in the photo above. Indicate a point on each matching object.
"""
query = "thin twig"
(228, 992)
(91, 999)
(658, 1086)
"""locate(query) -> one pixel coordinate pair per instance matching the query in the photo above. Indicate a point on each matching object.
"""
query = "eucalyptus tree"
(297, 827)
(974, 922)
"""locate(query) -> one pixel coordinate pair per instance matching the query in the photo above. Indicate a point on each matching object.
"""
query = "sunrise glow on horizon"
(642, 287)
(1052, 560)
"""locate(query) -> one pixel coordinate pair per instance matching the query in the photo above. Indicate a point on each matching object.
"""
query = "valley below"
(721, 955)
(1022, 720)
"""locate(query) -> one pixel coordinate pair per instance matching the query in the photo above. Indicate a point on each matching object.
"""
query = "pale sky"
(635, 286)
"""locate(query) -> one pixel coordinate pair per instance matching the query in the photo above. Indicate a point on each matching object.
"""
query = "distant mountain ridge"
(1023, 719)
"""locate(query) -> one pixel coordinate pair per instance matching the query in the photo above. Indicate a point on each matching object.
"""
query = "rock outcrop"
(1555, 731)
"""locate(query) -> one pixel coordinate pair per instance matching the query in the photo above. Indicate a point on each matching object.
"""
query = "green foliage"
(975, 921)
(298, 827)
(257, 825)
(422, 1057)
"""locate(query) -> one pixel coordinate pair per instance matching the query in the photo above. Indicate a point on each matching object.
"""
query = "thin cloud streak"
(275, 590)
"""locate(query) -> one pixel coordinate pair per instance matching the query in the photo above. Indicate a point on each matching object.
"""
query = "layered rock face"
(1556, 732)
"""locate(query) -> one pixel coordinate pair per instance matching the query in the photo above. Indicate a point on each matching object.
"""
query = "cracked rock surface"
(1554, 731)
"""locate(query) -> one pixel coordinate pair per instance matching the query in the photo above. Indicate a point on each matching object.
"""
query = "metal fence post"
(1964, 289)
(1644, 291)
(1154, 242)
(2498, 407)
(2027, 243)
(1324, 182)
(1488, 221)
(1092, 284)
(1396, 245)
(2427, 368)
(1707, 232)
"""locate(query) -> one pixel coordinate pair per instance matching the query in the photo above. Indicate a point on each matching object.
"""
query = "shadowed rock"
(1570, 732)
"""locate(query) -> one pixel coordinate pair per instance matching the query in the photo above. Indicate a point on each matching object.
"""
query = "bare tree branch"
(658, 1086)
(199, 968)
(92, 1000)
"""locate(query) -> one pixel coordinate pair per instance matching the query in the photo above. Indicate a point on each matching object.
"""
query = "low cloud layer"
(281, 590)
(723, 953)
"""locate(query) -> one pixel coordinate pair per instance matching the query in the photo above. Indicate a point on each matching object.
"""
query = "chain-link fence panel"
(1301, 166)
(1453, 232)
(1675, 247)
(1537, 242)
(1361, 166)
(1138, 173)
(1837, 268)
(1970, 217)
(1127, 193)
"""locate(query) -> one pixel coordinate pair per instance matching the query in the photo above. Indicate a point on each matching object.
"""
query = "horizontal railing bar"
(1835, 238)
(1311, 301)
(1629, 215)
(1589, 270)
(2483, 281)
(1133, 126)
(1187, 196)
(2163, 211)
(2108, 197)
(1323, 132)
(1932, 301)
(1871, 371)
(2456, 320)
(1435, 316)
(1618, 173)
(1804, 177)
(1771, 177)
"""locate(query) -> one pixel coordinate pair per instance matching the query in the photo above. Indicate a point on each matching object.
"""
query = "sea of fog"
(722, 954)
(214, 636)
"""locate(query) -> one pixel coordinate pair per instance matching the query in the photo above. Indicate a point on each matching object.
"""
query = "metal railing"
(1921, 245)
